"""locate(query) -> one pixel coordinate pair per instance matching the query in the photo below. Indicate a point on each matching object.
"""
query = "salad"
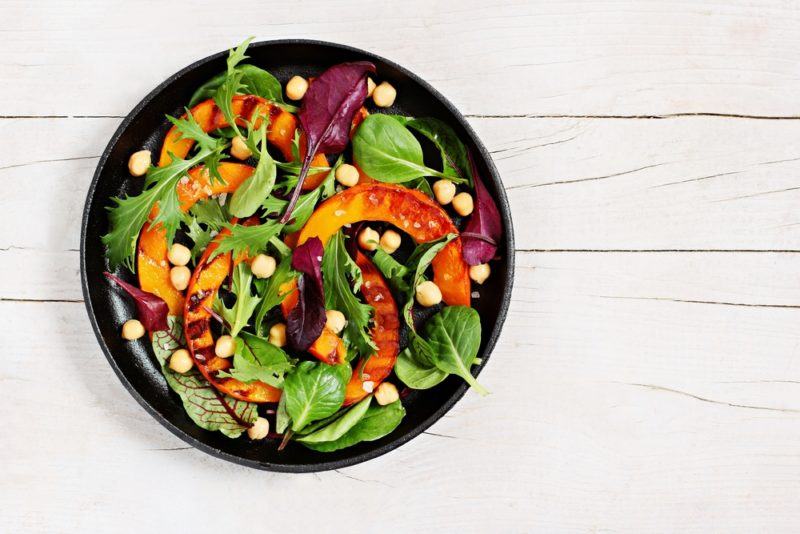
(299, 267)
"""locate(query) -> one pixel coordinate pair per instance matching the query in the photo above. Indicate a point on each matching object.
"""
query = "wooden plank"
(583, 184)
(710, 437)
(489, 57)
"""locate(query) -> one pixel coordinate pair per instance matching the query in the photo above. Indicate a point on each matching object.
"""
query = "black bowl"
(134, 363)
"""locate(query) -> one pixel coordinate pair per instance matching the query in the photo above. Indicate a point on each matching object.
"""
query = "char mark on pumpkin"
(198, 328)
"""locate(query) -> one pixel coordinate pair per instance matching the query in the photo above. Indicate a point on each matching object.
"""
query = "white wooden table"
(648, 377)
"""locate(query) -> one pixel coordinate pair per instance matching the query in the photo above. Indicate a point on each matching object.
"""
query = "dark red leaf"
(484, 228)
(327, 112)
(152, 311)
(306, 320)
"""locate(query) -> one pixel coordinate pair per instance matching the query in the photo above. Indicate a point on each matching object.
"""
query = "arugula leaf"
(313, 391)
(377, 422)
(388, 152)
(248, 197)
(270, 292)
(340, 426)
(255, 81)
(249, 239)
(302, 210)
(454, 334)
(416, 375)
(130, 214)
(337, 269)
(210, 213)
(394, 271)
(238, 316)
(451, 149)
(207, 407)
(188, 128)
(232, 84)
(258, 359)
(200, 236)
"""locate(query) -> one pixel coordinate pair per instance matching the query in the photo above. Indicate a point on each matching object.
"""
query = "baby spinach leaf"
(150, 309)
(337, 428)
(282, 419)
(388, 152)
(415, 375)
(238, 316)
(327, 113)
(313, 391)
(338, 269)
(207, 407)
(454, 334)
(258, 359)
(451, 149)
(249, 196)
(484, 228)
(377, 422)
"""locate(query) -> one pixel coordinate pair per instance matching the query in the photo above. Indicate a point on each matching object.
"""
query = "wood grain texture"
(648, 377)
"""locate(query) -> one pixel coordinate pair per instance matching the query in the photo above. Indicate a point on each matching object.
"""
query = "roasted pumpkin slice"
(385, 332)
(409, 210)
(152, 265)
(203, 286)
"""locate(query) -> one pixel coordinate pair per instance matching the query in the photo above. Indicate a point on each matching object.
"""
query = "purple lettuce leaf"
(327, 112)
(306, 320)
(484, 228)
(151, 310)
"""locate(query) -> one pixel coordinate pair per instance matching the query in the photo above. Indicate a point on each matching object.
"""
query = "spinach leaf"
(388, 152)
(313, 391)
(451, 149)
(207, 407)
(376, 423)
(454, 334)
(249, 196)
(258, 359)
(337, 428)
(415, 375)
(338, 268)
(238, 316)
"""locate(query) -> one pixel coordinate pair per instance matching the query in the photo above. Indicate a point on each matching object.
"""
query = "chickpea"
(132, 329)
(239, 148)
(179, 254)
(370, 86)
(259, 430)
(139, 162)
(263, 266)
(428, 294)
(384, 95)
(368, 239)
(335, 321)
(479, 273)
(463, 204)
(225, 346)
(347, 175)
(180, 361)
(277, 334)
(179, 276)
(386, 393)
(368, 386)
(296, 88)
(390, 241)
(444, 191)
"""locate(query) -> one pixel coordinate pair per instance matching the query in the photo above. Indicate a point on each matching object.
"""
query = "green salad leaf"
(255, 81)
(455, 164)
(416, 375)
(247, 239)
(258, 359)
(454, 334)
(302, 210)
(207, 407)
(340, 426)
(338, 270)
(249, 196)
(129, 214)
(200, 236)
(314, 391)
(388, 152)
(377, 422)
(269, 291)
(188, 128)
(238, 316)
